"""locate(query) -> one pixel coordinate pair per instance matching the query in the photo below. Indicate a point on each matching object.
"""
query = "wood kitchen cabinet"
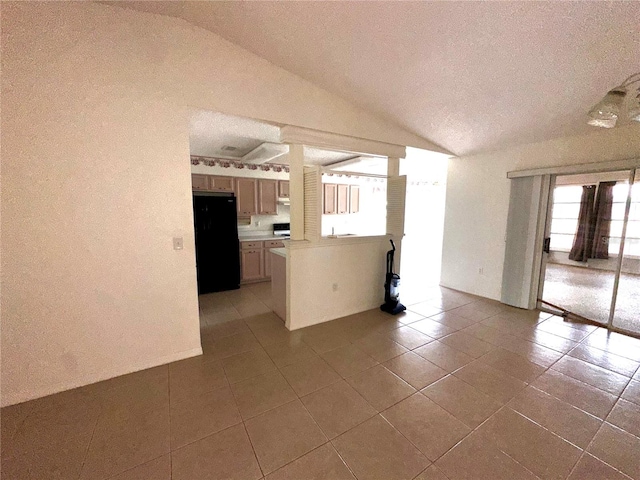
(354, 198)
(255, 259)
(200, 182)
(211, 183)
(251, 262)
(253, 196)
(283, 188)
(330, 199)
(246, 196)
(220, 184)
(343, 199)
(340, 199)
(268, 197)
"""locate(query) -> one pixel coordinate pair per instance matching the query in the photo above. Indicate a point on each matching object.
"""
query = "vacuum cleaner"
(392, 303)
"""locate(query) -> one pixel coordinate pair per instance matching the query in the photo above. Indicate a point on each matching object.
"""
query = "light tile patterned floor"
(457, 388)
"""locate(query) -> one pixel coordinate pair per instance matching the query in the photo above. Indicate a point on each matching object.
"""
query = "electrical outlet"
(335, 287)
(178, 243)
(481, 271)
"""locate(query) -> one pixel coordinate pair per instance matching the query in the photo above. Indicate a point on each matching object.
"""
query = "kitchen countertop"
(279, 251)
(259, 238)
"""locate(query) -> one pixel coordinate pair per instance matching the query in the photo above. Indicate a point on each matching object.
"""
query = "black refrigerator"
(217, 245)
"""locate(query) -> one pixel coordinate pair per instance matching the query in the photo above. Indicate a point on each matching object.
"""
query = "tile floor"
(588, 291)
(459, 387)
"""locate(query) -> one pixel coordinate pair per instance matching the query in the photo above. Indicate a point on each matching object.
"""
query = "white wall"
(356, 266)
(478, 201)
(95, 111)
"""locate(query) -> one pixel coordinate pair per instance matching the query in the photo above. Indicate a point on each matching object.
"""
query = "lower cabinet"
(255, 260)
(251, 264)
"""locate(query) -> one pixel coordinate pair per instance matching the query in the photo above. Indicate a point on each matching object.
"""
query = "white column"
(296, 190)
(393, 167)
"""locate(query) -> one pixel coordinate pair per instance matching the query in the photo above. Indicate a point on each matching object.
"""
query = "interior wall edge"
(23, 396)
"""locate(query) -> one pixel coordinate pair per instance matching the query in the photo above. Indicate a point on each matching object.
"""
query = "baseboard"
(362, 308)
(457, 288)
(20, 397)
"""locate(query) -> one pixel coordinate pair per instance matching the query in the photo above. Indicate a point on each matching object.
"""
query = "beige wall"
(355, 266)
(478, 201)
(95, 159)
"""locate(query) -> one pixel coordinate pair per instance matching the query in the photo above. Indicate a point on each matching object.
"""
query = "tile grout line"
(506, 405)
(380, 413)
(299, 399)
(86, 453)
(253, 448)
(546, 368)
(242, 420)
(586, 452)
(583, 341)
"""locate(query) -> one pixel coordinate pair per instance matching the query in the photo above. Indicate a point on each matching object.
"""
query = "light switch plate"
(178, 243)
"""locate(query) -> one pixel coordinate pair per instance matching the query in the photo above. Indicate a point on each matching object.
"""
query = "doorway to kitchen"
(591, 266)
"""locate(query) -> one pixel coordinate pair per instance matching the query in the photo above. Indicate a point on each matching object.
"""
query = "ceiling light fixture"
(612, 107)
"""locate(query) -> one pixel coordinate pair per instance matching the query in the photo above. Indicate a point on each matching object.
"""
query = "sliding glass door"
(591, 267)
(626, 303)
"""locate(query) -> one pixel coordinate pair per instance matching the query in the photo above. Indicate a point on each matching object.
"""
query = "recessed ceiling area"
(468, 76)
(214, 134)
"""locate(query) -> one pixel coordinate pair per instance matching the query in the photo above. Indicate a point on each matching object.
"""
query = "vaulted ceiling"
(468, 76)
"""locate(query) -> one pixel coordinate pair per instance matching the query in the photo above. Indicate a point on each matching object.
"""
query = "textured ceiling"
(469, 76)
(211, 132)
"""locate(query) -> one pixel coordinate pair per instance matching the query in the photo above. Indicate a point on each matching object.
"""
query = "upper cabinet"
(211, 183)
(267, 197)
(200, 182)
(246, 196)
(354, 198)
(330, 199)
(221, 184)
(340, 199)
(283, 188)
(343, 199)
(253, 196)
